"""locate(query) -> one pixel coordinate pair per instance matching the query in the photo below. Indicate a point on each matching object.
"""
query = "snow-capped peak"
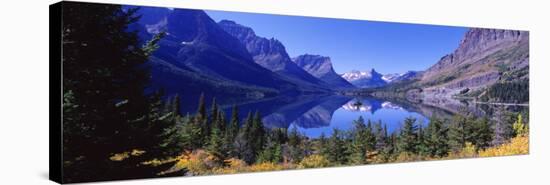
(356, 75)
(390, 77)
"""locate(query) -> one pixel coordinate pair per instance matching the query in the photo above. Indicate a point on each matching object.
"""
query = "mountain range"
(198, 53)
(201, 55)
(486, 61)
(373, 79)
(271, 54)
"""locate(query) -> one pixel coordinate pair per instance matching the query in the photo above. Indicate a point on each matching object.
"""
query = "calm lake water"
(390, 114)
(316, 114)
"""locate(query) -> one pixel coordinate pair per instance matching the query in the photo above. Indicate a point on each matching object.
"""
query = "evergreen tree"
(337, 151)
(296, 151)
(294, 136)
(214, 114)
(173, 142)
(243, 144)
(323, 148)
(277, 153)
(222, 124)
(279, 135)
(162, 132)
(380, 134)
(104, 107)
(408, 135)
(272, 151)
(502, 127)
(370, 137)
(388, 152)
(191, 133)
(201, 119)
(257, 134)
(421, 143)
(216, 142)
(307, 146)
(360, 144)
(437, 138)
(510, 92)
(231, 132)
(234, 121)
(176, 105)
(482, 133)
(201, 109)
(152, 45)
(160, 136)
(459, 132)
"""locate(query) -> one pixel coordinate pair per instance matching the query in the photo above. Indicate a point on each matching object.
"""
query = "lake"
(390, 114)
(316, 114)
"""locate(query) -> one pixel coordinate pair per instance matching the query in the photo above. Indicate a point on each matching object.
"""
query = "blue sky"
(353, 44)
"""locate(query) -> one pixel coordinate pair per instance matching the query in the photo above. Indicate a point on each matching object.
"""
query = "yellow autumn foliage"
(468, 151)
(125, 155)
(266, 166)
(198, 162)
(314, 161)
(520, 128)
(239, 166)
(233, 166)
(517, 146)
(410, 157)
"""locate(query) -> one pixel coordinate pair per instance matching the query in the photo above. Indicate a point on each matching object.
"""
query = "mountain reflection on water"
(316, 114)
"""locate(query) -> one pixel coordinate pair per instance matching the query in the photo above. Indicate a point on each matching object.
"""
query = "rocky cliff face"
(321, 67)
(481, 59)
(270, 54)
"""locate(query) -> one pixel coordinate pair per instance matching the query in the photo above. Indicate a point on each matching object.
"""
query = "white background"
(24, 90)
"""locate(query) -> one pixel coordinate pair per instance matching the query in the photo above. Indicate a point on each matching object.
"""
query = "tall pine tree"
(458, 132)
(295, 142)
(201, 119)
(105, 111)
(360, 144)
(338, 152)
(482, 133)
(231, 132)
(380, 135)
(408, 135)
(437, 138)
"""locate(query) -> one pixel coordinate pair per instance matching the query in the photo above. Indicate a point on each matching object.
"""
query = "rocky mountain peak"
(321, 67)
(483, 58)
(477, 44)
(478, 40)
(255, 44)
(270, 54)
(319, 64)
(237, 30)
